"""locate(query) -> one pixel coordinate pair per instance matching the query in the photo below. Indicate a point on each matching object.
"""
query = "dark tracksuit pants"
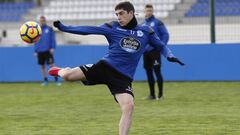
(152, 63)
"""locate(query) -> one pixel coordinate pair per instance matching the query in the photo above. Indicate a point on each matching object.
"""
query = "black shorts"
(45, 57)
(151, 59)
(103, 73)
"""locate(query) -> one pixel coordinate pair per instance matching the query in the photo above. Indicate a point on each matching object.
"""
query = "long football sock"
(45, 79)
(56, 79)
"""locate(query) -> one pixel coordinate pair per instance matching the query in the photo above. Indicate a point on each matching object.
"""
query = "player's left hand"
(174, 59)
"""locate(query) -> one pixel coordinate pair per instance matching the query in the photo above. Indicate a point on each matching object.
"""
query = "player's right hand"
(56, 24)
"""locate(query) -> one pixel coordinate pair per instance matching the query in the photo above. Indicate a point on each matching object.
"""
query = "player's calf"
(68, 74)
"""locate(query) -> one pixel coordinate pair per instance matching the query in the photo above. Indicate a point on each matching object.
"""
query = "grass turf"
(189, 108)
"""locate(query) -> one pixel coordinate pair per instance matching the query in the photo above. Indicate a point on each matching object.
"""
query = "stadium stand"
(223, 8)
(184, 26)
(12, 12)
(100, 9)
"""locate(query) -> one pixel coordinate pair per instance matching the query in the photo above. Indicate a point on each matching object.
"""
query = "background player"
(44, 50)
(152, 57)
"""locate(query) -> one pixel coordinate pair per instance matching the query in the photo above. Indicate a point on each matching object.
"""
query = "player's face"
(123, 16)
(148, 12)
(43, 21)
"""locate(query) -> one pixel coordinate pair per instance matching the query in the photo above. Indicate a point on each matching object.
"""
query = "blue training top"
(125, 45)
(47, 40)
(159, 28)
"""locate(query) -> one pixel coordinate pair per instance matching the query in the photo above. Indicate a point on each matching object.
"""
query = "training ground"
(189, 108)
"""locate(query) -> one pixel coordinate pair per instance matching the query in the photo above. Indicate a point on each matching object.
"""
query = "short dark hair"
(42, 17)
(126, 5)
(149, 6)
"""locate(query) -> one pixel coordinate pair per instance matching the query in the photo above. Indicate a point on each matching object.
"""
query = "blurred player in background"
(127, 41)
(44, 50)
(152, 57)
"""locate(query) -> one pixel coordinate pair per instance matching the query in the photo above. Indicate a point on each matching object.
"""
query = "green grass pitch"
(189, 108)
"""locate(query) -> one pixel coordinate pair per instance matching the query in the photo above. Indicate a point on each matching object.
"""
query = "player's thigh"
(156, 57)
(40, 58)
(76, 74)
(147, 63)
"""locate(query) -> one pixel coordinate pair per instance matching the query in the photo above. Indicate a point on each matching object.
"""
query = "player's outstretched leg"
(68, 74)
(126, 103)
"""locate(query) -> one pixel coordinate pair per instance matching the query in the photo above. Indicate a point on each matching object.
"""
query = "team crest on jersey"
(46, 31)
(139, 33)
(130, 44)
(152, 24)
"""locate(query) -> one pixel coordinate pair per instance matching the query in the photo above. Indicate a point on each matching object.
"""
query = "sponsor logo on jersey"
(130, 44)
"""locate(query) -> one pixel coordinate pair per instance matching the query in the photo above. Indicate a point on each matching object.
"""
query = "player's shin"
(63, 72)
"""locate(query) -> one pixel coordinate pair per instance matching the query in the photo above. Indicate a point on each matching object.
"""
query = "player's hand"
(52, 51)
(173, 59)
(56, 24)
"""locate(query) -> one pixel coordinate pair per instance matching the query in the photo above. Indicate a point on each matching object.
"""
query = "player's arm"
(35, 50)
(161, 46)
(163, 32)
(53, 39)
(82, 30)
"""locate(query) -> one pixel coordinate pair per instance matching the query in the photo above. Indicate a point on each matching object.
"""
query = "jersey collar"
(132, 24)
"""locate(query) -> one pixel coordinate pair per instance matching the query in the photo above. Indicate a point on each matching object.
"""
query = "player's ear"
(131, 12)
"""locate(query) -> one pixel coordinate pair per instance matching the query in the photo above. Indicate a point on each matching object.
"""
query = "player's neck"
(150, 18)
(132, 24)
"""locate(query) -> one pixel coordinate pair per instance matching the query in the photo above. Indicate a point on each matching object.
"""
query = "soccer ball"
(30, 32)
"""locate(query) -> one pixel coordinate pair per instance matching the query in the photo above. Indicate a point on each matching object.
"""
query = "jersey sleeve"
(164, 35)
(158, 44)
(85, 30)
(53, 39)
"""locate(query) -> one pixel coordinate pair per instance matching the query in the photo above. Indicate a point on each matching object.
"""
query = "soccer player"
(127, 41)
(152, 56)
(44, 50)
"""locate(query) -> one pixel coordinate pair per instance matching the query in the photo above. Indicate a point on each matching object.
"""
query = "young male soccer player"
(44, 49)
(152, 57)
(127, 41)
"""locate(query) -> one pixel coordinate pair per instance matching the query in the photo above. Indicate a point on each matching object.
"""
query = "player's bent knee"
(128, 107)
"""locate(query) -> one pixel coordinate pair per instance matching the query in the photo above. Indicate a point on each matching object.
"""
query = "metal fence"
(191, 21)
